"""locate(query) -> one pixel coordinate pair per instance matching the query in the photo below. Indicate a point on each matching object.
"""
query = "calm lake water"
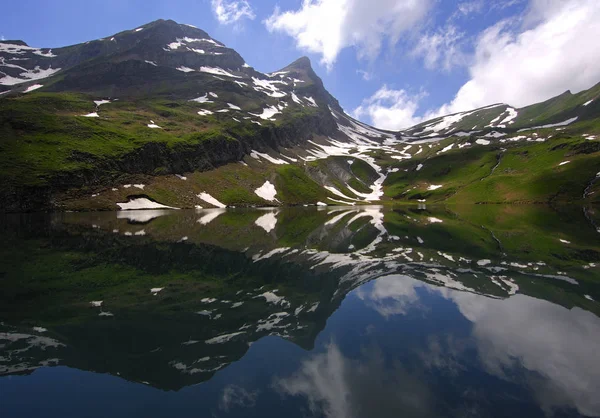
(476, 311)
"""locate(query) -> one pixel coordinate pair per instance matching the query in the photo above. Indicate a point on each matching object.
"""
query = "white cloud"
(390, 109)
(556, 50)
(442, 49)
(326, 27)
(517, 61)
(232, 11)
(2, 38)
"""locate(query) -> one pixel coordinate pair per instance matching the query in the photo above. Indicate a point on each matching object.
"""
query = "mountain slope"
(177, 113)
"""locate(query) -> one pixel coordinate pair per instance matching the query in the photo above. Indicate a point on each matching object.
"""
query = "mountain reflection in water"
(337, 312)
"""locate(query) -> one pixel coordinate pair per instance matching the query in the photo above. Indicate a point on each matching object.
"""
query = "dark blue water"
(355, 333)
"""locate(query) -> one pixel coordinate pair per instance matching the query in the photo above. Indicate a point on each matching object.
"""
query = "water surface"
(486, 311)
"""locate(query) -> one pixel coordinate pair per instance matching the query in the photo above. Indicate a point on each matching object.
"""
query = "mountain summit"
(164, 115)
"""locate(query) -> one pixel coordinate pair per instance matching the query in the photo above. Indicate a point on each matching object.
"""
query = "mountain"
(165, 115)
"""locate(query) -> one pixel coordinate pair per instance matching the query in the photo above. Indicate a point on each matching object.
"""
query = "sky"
(390, 63)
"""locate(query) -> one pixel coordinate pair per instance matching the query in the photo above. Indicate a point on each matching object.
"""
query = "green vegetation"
(45, 142)
(44, 135)
(452, 170)
(558, 109)
(523, 172)
(295, 187)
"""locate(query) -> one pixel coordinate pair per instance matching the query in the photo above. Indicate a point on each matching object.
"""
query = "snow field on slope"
(209, 199)
(267, 191)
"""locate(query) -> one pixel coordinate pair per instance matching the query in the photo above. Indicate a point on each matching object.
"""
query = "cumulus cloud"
(232, 11)
(518, 61)
(390, 109)
(326, 27)
(556, 51)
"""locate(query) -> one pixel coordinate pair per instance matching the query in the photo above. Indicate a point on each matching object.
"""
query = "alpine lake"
(461, 311)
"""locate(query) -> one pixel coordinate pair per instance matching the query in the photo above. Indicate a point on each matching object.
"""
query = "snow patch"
(267, 191)
(297, 100)
(311, 101)
(33, 87)
(267, 113)
(551, 125)
(257, 155)
(202, 99)
(338, 193)
(494, 134)
(268, 87)
(448, 148)
(48, 54)
(209, 199)
(28, 75)
(271, 297)
(142, 203)
(217, 71)
(220, 339)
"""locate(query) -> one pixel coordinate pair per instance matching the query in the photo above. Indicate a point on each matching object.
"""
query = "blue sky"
(391, 63)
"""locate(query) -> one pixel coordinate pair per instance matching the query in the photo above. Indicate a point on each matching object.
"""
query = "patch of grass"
(363, 171)
(295, 187)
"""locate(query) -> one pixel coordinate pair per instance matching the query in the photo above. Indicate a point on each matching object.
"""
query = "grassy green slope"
(522, 171)
(559, 108)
